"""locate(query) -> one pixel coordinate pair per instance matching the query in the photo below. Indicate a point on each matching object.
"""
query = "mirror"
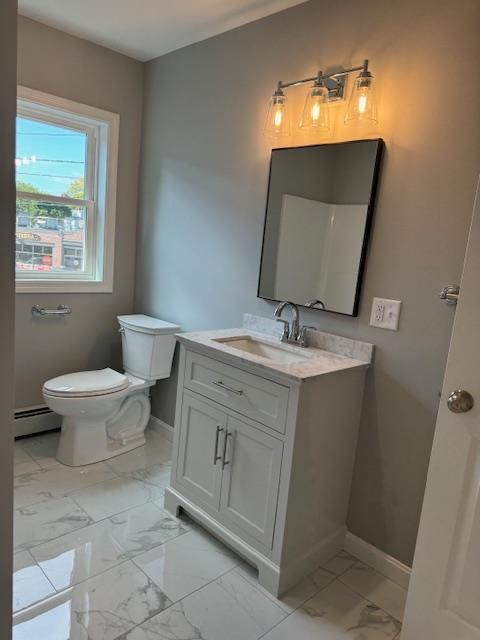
(319, 212)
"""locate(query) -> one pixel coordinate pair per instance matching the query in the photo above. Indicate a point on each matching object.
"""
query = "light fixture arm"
(338, 79)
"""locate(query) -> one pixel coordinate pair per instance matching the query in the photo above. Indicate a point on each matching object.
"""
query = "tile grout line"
(358, 593)
(231, 570)
(124, 561)
(69, 494)
(299, 607)
(93, 522)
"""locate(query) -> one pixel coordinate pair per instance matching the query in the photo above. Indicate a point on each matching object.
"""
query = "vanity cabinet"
(263, 459)
(230, 466)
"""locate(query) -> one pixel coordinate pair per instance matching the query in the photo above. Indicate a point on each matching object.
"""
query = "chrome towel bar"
(61, 310)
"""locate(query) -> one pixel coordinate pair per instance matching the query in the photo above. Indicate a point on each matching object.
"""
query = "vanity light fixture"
(278, 118)
(315, 112)
(326, 88)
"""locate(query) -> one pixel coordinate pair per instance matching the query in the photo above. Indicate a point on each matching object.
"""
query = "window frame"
(102, 129)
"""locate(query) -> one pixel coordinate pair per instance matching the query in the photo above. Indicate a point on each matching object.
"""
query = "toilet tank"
(147, 346)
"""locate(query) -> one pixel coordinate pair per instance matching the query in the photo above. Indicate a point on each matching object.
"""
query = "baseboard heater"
(35, 420)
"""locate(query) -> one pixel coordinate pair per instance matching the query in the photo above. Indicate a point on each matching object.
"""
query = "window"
(66, 160)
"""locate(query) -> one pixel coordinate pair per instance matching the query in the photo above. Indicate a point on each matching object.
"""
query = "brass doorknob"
(460, 401)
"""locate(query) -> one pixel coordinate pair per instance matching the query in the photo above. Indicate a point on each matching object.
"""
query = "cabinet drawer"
(251, 395)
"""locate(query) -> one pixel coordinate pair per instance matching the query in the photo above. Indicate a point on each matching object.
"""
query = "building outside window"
(66, 159)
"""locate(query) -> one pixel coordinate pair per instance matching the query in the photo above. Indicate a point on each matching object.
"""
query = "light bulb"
(315, 112)
(278, 122)
(362, 105)
(277, 118)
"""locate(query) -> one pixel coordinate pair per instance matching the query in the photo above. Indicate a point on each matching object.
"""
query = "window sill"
(27, 286)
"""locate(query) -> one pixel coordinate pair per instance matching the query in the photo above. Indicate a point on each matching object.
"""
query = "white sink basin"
(264, 349)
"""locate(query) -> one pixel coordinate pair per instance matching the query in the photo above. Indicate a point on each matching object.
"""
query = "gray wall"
(8, 31)
(203, 188)
(66, 66)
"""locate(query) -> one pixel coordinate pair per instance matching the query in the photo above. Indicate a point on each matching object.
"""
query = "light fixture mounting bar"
(335, 82)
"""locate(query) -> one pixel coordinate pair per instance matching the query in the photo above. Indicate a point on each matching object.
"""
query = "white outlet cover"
(385, 313)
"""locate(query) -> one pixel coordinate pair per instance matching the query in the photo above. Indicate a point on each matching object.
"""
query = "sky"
(59, 154)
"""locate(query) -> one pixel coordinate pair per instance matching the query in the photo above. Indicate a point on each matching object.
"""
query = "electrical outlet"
(385, 313)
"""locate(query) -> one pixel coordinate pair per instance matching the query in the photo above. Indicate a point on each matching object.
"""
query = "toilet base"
(99, 428)
(72, 455)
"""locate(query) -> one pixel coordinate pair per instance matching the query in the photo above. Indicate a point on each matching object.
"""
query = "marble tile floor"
(97, 557)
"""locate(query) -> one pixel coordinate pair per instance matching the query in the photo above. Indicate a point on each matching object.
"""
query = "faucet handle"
(286, 328)
(302, 336)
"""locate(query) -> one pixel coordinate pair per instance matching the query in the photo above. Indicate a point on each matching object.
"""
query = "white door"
(444, 596)
(199, 468)
(251, 461)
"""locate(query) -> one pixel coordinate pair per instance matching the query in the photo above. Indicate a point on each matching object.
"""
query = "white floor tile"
(157, 475)
(22, 461)
(114, 496)
(102, 608)
(79, 555)
(295, 596)
(30, 584)
(336, 613)
(42, 448)
(340, 563)
(377, 588)
(57, 481)
(186, 563)
(47, 520)
(143, 528)
(92, 550)
(158, 450)
(227, 609)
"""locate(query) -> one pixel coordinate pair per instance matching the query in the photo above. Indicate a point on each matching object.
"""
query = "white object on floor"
(104, 412)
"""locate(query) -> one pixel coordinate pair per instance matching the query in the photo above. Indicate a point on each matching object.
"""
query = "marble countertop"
(313, 361)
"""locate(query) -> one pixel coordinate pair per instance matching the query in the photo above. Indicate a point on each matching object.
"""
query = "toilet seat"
(84, 384)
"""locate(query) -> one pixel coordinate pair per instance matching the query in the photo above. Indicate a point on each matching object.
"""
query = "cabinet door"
(199, 467)
(251, 474)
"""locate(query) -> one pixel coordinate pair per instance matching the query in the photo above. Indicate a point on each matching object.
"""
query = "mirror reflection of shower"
(319, 208)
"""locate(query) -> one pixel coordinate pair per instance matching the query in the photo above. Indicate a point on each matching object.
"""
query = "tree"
(28, 207)
(34, 208)
(76, 189)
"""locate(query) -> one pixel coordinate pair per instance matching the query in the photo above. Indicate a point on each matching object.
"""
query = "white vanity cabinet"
(263, 459)
(228, 464)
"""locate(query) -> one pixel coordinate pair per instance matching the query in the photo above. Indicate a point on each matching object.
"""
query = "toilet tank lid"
(147, 324)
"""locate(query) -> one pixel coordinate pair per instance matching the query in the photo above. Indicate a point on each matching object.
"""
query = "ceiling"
(146, 29)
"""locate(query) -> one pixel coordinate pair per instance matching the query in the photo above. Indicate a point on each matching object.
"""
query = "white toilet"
(104, 412)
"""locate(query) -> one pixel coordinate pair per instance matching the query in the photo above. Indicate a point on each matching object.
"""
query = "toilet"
(105, 413)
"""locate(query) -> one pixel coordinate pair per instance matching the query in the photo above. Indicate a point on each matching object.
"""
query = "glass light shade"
(362, 104)
(278, 119)
(316, 111)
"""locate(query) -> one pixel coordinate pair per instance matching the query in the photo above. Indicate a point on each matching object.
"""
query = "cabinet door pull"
(216, 457)
(225, 442)
(222, 385)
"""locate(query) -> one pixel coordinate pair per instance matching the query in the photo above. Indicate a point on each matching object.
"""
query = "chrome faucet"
(294, 334)
(290, 334)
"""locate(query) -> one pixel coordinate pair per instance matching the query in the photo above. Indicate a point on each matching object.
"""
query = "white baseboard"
(161, 427)
(30, 420)
(378, 560)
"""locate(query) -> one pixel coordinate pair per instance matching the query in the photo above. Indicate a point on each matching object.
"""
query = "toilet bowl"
(104, 412)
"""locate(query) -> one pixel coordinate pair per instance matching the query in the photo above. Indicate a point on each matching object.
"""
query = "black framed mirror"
(318, 217)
